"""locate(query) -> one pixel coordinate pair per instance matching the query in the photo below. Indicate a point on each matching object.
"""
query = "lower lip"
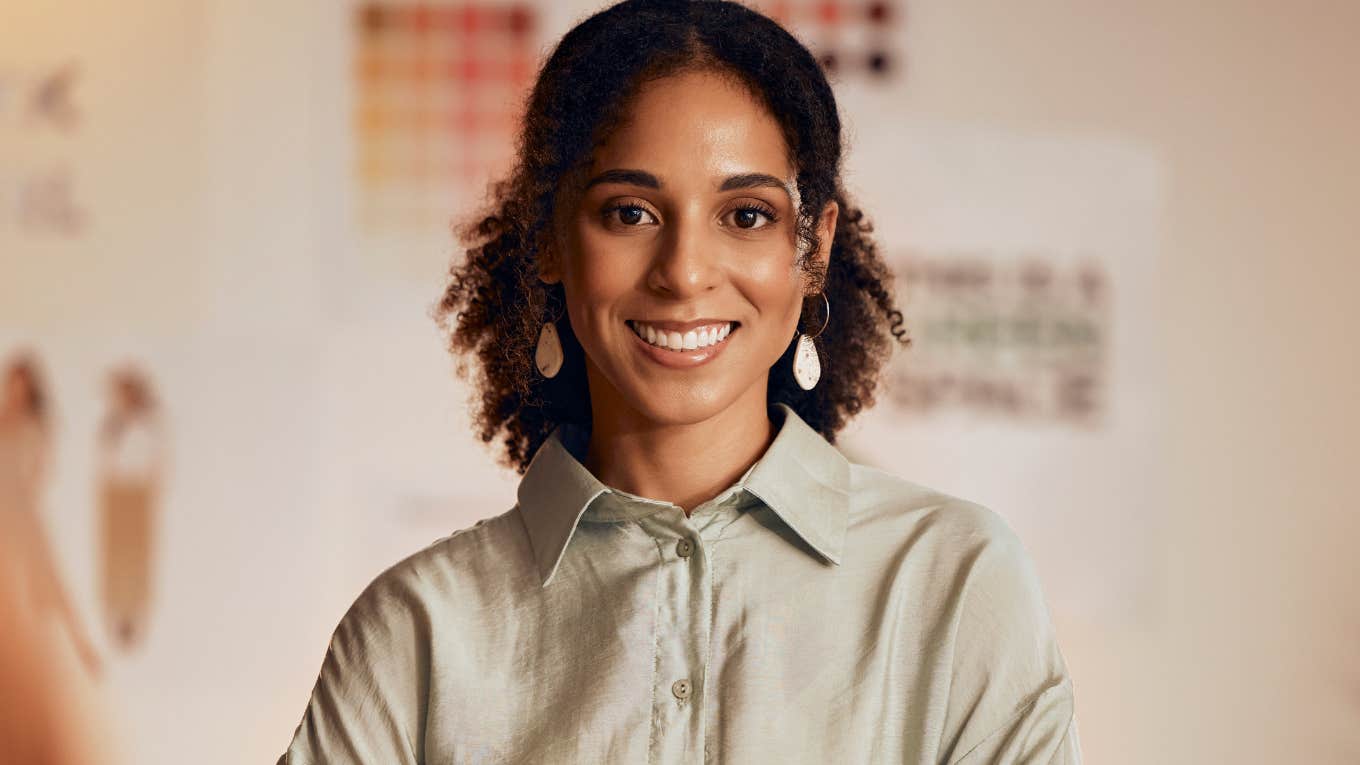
(680, 359)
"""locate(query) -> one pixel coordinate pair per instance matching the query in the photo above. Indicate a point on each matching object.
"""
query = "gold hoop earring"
(548, 357)
(807, 367)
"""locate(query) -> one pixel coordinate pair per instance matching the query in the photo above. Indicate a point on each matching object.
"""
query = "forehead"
(695, 124)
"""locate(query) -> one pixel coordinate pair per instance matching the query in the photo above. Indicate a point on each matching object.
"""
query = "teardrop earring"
(807, 367)
(549, 356)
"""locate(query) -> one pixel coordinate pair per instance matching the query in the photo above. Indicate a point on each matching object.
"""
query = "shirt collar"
(801, 477)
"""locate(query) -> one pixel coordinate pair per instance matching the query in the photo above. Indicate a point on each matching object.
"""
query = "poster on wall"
(437, 92)
(857, 42)
(1026, 266)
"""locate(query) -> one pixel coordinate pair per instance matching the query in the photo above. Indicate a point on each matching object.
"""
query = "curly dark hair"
(581, 94)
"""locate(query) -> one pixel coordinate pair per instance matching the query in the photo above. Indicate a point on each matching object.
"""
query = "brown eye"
(748, 217)
(628, 214)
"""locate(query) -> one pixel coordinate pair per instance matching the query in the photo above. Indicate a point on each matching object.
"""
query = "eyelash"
(769, 213)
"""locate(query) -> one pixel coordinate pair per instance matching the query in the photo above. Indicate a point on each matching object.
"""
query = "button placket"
(683, 628)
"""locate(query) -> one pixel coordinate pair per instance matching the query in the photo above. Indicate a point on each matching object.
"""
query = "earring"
(548, 357)
(807, 367)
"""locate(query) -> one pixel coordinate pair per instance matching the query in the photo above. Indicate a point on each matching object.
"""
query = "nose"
(685, 263)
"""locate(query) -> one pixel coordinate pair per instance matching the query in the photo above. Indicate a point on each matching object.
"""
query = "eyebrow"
(732, 182)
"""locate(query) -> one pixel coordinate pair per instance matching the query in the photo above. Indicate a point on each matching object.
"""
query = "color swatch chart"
(439, 89)
(851, 39)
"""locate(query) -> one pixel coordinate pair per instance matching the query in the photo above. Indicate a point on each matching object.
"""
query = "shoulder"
(968, 560)
(975, 585)
(370, 701)
(897, 508)
(462, 570)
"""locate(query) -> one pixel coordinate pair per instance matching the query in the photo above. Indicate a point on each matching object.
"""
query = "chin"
(679, 410)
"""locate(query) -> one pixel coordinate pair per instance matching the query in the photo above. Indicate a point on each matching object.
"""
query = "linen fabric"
(815, 611)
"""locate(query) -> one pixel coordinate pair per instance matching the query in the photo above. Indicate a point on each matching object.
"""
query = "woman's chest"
(719, 652)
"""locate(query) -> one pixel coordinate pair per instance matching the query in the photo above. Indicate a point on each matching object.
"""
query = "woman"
(692, 572)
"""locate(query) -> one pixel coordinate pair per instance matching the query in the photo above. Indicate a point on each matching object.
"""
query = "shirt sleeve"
(368, 704)
(1011, 697)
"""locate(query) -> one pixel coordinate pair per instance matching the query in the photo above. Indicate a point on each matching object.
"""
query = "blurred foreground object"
(50, 712)
(25, 447)
(48, 701)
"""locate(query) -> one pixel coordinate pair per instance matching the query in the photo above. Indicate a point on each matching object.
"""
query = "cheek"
(600, 275)
(771, 284)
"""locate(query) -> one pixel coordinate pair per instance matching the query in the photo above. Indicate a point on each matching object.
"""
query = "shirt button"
(683, 548)
(681, 689)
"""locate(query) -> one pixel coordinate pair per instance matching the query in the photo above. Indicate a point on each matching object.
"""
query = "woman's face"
(685, 224)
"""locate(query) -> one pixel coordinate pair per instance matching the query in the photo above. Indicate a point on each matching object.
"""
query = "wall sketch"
(131, 467)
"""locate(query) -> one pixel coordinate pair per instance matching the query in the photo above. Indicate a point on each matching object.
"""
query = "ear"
(826, 234)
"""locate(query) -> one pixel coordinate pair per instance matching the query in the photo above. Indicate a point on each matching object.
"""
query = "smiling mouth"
(695, 339)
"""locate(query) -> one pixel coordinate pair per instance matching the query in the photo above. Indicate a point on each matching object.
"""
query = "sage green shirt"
(816, 611)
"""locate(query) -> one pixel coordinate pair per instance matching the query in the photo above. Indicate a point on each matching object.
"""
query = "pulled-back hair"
(582, 93)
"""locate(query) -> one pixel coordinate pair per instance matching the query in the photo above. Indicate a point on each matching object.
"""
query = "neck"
(686, 464)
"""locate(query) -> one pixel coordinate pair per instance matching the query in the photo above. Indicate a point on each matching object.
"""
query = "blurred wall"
(1251, 104)
(206, 225)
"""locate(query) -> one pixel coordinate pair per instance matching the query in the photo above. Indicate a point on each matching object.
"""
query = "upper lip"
(682, 326)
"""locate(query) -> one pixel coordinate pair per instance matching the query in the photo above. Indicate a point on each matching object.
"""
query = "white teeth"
(676, 341)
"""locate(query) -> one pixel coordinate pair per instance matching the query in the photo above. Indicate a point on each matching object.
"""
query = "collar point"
(833, 556)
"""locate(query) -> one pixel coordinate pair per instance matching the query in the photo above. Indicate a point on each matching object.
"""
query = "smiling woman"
(648, 119)
(640, 305)
(685, 230)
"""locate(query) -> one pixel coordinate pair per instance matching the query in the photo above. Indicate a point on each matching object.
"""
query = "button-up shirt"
(815, 611)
